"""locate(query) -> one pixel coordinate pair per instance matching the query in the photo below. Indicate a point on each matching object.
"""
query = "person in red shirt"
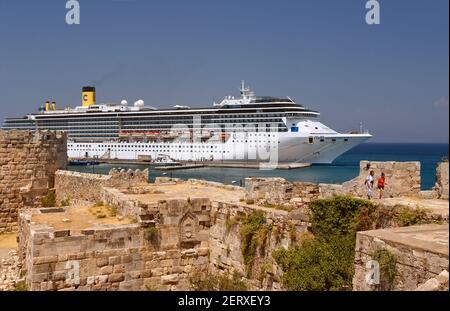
(380, 184)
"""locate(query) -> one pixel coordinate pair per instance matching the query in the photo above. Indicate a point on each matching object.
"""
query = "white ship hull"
(248, 129)
(284, 147)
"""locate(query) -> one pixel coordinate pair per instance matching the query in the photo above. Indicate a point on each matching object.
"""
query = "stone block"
(106, 270)
(45, 259)
(119, 268)
(170, 279)
(101, 262)
(114, 260)
(116, 277)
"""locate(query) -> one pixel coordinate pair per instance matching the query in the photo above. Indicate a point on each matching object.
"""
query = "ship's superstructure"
(248, 128)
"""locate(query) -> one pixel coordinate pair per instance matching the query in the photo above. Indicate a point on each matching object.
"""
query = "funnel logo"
(73, 15)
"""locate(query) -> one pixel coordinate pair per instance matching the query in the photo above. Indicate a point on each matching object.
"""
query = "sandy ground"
(7, 243)
(80, 217)
(183, 191)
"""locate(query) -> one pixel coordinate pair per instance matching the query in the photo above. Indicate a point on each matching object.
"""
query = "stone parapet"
(442, 180)
(75, 186)
(280, 192)
(419, 253)
(28, 161)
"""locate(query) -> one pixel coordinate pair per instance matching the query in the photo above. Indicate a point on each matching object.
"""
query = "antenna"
(245, 91)
(360, 127)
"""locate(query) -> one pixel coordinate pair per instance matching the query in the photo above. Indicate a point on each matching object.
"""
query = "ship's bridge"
(249, 100)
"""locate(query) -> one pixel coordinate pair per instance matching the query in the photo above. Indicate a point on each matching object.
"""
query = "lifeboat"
(170, 135)
(152, 134)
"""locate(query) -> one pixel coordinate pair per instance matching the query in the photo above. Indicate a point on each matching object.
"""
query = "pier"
(183, 165)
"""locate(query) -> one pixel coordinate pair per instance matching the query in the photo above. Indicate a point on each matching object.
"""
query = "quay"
(182, 165)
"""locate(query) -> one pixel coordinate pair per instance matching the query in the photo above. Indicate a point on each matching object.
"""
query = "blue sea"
(344, 168)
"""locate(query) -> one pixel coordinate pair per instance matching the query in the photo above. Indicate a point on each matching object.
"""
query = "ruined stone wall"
(437, 283)
(226, 241)
(28, 161)
(402, 179)
(442, 180)
(168, 180)
(10, 271)
(125, 206)
(77, 186)
(159, 252)
(418, 250)
(172, 240)
(280, 192)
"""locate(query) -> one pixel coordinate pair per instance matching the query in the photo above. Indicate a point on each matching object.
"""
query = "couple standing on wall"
(369, 182)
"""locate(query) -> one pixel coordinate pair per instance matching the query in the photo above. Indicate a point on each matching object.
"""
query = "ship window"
(333, 139)
(311, 140)
(346, 139)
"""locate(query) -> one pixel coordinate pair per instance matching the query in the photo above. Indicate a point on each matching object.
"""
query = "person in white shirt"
(369, 184)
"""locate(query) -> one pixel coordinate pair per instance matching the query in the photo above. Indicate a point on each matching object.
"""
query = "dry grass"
(8, 240)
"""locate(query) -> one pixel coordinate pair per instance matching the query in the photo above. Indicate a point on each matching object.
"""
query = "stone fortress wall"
(166, 241)
(124, 257)
(421, 253)
(171, 239)
(402, 179)
(442, 180)
(28, 162)
(279, 192)
(75, 186)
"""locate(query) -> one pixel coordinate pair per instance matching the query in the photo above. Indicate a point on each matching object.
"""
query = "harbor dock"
(182, 165)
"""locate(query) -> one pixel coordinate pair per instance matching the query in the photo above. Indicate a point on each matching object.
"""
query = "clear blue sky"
(394, 77)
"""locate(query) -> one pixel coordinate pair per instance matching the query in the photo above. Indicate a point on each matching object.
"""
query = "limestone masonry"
(442, 180)
(402, 179)
(172, 228)
(421, 252)
(175, 230)
(120, 232)
(88, 187)
(28, 162)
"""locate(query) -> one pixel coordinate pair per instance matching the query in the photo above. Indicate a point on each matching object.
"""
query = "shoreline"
(198, 164)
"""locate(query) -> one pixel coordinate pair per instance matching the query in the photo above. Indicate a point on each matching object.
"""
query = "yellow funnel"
(88, 96)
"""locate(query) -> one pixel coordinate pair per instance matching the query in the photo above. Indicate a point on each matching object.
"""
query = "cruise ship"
(245, 129)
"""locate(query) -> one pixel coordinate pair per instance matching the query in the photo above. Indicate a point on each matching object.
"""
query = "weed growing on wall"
(325, 260)
(212, 282)
(49, 200)
(254, 232)
(387, 262)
